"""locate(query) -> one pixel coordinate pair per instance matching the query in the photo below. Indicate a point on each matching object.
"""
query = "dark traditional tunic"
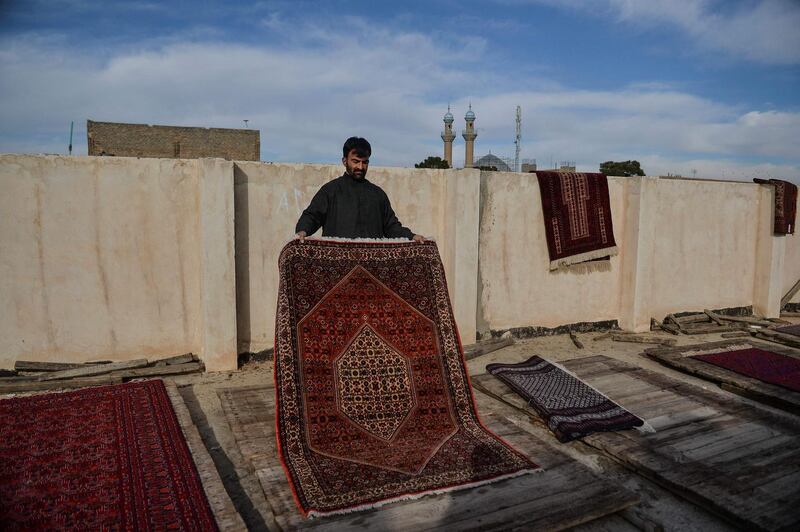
(352, 208)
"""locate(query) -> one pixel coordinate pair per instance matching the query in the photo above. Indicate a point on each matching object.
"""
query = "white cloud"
(763, 31)
(389, 86)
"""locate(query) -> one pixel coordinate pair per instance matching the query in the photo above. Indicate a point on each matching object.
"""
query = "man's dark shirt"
(352, 208)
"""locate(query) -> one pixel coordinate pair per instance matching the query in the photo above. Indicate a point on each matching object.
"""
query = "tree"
(487, 168)
(621, 168)
(433, 162)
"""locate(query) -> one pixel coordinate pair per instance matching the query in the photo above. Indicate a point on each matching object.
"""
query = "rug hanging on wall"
(570, 408)
(373, 399)
(577, 217)
(106, 458)
(765, 366)
(785, 205)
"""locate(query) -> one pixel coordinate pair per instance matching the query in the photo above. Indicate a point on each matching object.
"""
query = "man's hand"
(302, 236)
(419, 238)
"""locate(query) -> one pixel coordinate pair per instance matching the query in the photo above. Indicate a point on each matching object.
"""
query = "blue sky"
(696, 87)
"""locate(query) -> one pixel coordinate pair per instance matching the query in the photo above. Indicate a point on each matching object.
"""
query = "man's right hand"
(302, 236)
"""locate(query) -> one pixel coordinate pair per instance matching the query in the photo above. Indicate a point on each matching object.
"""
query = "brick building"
(142, 140)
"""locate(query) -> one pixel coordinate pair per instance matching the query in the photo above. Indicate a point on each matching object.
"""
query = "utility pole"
(71, 125)
(518, 139)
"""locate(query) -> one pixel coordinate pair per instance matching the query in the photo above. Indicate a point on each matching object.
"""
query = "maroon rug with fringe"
(373, 399)
(763, 365)
(785, 205)
(570, 408)
(577, 217)
(107, 458)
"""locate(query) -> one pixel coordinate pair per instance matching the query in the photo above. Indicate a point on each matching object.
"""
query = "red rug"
(107, 458)
(763, 365)
(373, 399)
(577, 217)
(785, 205)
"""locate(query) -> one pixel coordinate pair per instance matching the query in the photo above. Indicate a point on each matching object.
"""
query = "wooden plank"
(30, 365)
(767, 393)
(160, 371)
(732, 458)
(693, 318)
(40, 386)
(177, 359)
(500, 505)
(790, 294)
(94, 370)
(488, 346)
(574, 338)
(642, 339)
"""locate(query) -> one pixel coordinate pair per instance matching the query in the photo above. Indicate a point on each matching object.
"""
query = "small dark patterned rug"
(107, 458)
(790, 329)
(570, 407)
(577, 217)
(373, 399)
(765, 366)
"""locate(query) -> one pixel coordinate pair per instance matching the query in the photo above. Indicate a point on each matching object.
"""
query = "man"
(350, 206)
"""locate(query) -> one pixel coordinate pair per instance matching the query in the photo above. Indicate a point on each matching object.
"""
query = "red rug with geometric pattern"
(373, 398)
(763, 365)
(106, 458)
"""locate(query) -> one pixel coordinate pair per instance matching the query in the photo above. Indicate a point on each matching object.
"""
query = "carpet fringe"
(360, 240)
(414, 496)
(583, 257)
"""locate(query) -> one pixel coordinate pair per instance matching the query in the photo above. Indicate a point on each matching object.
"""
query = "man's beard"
(358, 174)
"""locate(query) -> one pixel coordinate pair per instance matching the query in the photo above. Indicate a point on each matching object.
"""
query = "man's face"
(356, 165)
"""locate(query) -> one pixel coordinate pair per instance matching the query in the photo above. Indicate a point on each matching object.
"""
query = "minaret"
(469, 135)
(448, 136)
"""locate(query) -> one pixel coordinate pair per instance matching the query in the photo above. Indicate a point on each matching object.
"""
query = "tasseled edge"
(583, 257)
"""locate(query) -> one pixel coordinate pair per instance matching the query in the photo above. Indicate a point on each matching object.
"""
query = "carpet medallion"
(759, 364)
(373, 399)
(570, 408)
(577, 217)
(106, 458)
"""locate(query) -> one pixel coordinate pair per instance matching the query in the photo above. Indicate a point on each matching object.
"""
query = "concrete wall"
(791, 261)
(517, 289)
(120, 258)
(684, 245)
(116, 258)
(270, 197)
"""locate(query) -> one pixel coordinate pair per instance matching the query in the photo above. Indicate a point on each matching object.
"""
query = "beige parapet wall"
(106, 258)
(441, 204)
(684, 245)
(119, 258)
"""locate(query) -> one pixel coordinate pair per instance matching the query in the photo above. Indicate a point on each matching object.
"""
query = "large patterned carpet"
(107, 458)
(373, 398)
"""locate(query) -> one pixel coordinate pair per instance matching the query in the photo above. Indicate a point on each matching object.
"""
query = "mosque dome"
(492, 160)
(470, 115)
(448, 116)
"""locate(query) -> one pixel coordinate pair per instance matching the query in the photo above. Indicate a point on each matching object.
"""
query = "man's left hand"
(419, 238)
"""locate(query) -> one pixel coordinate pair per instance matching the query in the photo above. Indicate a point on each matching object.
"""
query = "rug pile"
(107, 458)
(373, 399)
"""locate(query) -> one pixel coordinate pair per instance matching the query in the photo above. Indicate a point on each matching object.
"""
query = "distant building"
(528, 166)
(493, 161)
(142, 140)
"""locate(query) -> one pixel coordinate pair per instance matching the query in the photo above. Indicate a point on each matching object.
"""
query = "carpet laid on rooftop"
(106, 458)
(570, 408)
(765, 366)
(790, 329)
(373, 399)
(577, 217)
